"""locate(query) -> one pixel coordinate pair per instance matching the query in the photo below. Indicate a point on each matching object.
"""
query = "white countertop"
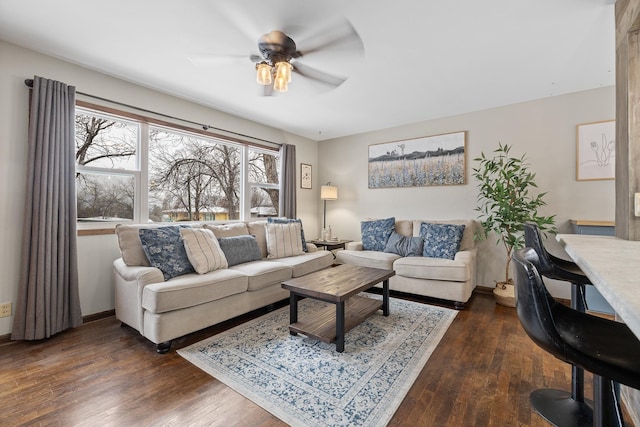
(613, 266)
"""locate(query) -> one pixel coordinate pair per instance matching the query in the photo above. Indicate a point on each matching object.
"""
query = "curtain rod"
(29, 83)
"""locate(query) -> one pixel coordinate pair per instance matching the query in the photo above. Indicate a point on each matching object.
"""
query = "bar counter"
(613, 266)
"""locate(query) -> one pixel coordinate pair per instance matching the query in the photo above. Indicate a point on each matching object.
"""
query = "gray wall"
(544, 129)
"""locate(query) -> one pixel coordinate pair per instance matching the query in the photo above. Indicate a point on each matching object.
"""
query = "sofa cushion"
(203, 250)
(165, 250)
(261, 274)
(228, 230)
(404, 227)
(375, 233)
(130, 245)
(372, 259)
(441, 240)
(257, 230)
(404, 245)
(239, 249)
(307, 263)
(283, 240)
(192, 289)
(458, 270)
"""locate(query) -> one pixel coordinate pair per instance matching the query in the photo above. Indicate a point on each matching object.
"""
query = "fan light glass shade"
(283, 69)
(280, 84)
(328, 192)
(264, 74)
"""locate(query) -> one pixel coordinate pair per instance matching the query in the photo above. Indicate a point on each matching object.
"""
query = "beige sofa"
(164, 310)
(447, 279)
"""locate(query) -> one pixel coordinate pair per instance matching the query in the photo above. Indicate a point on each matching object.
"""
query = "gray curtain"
(48, 300)
(288, 196)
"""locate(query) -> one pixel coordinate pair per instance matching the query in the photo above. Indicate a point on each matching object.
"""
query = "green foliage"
(506, 200)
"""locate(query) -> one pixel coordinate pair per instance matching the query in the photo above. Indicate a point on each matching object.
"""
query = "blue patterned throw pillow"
(287, 221)
(441, 240)
(240, 249)
(165, 250)
(375, 233)
(404, 245)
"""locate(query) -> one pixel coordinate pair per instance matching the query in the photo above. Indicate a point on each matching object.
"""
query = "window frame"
(141, 176)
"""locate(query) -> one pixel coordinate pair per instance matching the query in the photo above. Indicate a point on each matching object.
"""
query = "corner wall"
(544, 129)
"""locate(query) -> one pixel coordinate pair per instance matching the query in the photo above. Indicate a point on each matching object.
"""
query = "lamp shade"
(328, 192)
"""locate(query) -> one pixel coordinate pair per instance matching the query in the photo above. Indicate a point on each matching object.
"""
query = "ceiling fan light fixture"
(263, 76)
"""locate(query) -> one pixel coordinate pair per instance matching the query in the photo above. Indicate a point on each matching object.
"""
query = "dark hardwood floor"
(480, 374)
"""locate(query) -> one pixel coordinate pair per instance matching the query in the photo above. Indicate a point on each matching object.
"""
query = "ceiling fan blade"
(240, 20)
(337, 34)
(215, 58)
(315, 74)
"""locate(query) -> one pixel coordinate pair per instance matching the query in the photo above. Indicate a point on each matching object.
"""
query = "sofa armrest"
(311, 247)
(354, 246)
(142, 275)
(129, 283)
(465, 256)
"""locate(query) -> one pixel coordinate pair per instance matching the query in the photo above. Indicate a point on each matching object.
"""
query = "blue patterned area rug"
(305, 382)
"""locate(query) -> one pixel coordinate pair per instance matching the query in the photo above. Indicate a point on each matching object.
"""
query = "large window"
(131, 170)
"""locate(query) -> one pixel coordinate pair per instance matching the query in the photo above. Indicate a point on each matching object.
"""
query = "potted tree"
(505, 202)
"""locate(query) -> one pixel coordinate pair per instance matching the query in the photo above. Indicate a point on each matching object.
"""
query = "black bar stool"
(557, 406)
(606, 348)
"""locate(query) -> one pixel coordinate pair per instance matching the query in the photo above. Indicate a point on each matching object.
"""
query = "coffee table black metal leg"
(385, 298)
(340, 327)
(293, 310)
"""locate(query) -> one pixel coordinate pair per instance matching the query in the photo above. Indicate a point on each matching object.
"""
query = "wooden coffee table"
(340, 286)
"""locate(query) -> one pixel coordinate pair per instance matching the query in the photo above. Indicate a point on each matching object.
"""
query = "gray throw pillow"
(240, 249)
(404, 245)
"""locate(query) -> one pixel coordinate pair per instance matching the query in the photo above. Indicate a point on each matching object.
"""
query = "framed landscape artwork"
(305, 176)
(596, 151)
(426, 161)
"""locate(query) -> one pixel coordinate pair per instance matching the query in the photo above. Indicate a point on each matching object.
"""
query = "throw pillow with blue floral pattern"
(375, 233)
(441, 240)
(165, 250)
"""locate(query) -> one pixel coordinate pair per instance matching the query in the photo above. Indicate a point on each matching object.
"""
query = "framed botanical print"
(305, 176)
(596, 151)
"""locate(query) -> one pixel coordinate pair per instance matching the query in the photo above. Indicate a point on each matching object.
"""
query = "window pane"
(264, 167)
(264, 202)
(192, 178)
(106, 142)
(103, 197)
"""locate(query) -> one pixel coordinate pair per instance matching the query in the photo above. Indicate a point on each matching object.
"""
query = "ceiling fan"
(280, 56)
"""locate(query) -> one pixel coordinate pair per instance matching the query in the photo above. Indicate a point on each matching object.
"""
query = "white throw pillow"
(203, 250)
(283, 240)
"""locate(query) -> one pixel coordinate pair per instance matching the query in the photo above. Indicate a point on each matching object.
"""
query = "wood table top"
(337, 283)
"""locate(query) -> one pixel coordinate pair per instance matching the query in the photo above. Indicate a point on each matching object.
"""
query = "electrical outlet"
(5, 309)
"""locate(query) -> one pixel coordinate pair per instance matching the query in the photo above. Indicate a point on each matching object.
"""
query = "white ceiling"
(422, 59)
